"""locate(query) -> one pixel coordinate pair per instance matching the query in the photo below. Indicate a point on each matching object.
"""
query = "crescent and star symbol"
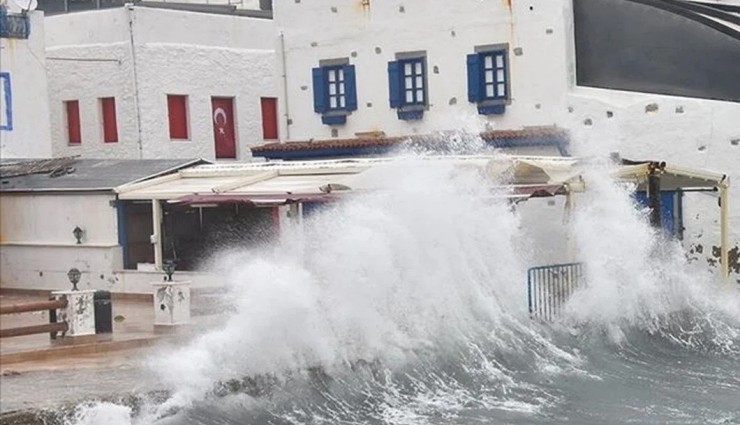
(220, 124)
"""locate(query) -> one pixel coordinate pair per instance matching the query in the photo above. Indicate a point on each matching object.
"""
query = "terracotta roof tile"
(437, 139)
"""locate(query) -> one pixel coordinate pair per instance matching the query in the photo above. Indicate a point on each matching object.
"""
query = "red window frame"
(177, 112)
(74, 133)
(269, 118)
(110, 124)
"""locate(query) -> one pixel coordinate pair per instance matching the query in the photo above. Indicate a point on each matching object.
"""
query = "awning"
(256, 200)
(671, 176)
(525, 191)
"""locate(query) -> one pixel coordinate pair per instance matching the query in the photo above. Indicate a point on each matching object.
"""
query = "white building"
(424, 66)
(51, 7)
(42, 202)
(153, 82)
(24, 109)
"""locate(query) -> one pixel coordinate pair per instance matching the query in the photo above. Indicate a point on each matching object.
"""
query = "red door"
(224, 134)
(269, 118)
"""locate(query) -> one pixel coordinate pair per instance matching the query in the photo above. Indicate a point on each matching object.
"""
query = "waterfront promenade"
(38, 372)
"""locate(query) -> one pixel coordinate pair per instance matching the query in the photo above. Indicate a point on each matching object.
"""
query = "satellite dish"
(19, 6)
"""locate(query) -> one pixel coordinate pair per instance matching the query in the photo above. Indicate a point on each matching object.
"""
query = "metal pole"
(157, 236)
(678, 219)
(570, 205)
(724, 214)
(654, 199)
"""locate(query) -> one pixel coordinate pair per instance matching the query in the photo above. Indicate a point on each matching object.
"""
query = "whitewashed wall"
(168, 52)
(691, 132)
(38, 247)
(24, 61)
(202, 56)
(370, 36)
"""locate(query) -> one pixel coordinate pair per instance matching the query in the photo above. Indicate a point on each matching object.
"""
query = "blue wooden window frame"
(336, 99)
(6, 123)
(14, 25)
(493, 75)
(488, 76)
(413, 82)
(488, 80)
(335, 92)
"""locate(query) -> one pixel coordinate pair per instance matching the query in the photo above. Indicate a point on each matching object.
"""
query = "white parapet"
(79, 313)
(171, 303)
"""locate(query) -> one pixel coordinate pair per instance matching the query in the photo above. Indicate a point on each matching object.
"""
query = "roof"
(221, 9)
(275, 183)
(672, 176)
(301, 181)
(443, 142)
(75, 174)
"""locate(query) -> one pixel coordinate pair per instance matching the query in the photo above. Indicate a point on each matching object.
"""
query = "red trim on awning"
(536, 190)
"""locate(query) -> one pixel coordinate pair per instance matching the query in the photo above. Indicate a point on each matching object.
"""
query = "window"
(408, 88)
(72, 109)
(269, 118)
(14, 25)
(335, 83)
(6, 102)
(177, 111)
(335, 92)
(110, 126)
(488, 84)
(413, 82)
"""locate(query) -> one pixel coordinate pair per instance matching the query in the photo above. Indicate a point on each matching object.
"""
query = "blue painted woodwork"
(394, 84)
(6, 123)
(667, 207)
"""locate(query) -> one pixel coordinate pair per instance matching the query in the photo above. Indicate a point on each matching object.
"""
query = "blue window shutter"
(474, 78)
(319, 90)
(350, 88)
(394, 83)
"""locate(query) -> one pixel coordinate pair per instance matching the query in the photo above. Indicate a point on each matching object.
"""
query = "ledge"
(57, 245)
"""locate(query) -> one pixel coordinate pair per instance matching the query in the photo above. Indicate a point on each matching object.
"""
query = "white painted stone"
(543, 87)
(139, 55)
(447, 32)
(37, 246)
(27, 100)
(79, 313)
(171, 303)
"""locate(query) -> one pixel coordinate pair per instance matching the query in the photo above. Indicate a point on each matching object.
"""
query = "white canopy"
(275, 183)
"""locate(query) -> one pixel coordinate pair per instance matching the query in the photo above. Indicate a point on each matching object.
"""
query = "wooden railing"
(52, 328)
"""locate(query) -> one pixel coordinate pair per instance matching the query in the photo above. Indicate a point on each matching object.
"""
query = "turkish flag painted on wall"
(224, 133)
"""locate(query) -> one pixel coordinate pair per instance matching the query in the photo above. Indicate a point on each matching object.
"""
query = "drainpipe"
(285, 86)
(137, 103)
(724, 214)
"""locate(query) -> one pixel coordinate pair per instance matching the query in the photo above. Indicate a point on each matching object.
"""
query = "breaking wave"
(408, 306)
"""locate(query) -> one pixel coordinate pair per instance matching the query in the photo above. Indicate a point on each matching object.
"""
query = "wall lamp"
(78, 234)
(169, 268)
(74, 275)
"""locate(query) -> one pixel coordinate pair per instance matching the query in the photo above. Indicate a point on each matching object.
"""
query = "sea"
(409, 306)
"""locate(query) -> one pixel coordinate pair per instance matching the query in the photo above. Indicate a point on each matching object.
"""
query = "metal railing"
(550, 287)
(14, 26)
